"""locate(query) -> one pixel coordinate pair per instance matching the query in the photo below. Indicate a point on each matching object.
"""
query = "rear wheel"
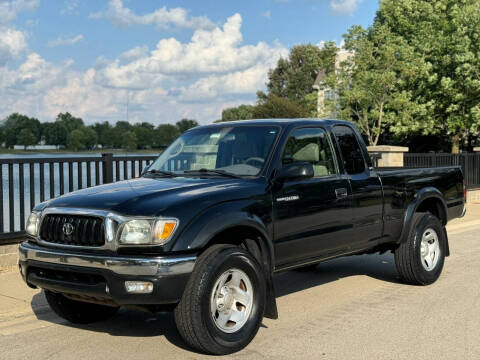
(222, 306)
(420, 259)
(78, 312)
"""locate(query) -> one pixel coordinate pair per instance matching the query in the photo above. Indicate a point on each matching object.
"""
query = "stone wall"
(391, 156)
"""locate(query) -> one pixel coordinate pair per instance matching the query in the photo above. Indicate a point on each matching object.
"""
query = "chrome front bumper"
(121, 265)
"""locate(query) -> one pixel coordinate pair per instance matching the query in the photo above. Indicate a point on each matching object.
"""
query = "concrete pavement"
(350, 308)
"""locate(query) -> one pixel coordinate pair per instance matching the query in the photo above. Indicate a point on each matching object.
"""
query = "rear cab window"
(353, 160)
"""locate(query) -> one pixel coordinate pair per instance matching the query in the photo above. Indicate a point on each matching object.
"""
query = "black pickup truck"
(226, 206)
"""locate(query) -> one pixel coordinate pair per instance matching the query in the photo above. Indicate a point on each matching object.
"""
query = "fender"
(418, 198)
(210, 223)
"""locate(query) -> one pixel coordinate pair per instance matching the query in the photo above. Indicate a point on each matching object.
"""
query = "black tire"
(78, 312)
(408, 258)
(193, 314)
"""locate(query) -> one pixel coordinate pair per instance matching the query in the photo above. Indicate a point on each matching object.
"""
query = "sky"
(162, 60)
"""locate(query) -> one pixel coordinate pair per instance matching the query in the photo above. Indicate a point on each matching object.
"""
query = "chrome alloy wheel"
(231, 301)
(429, 249)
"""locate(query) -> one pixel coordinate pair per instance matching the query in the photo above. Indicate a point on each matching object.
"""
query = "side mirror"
(295, 172)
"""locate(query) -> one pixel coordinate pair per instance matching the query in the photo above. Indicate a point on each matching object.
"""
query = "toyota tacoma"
(206, 226)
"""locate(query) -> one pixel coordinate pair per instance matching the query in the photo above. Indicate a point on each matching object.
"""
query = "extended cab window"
(352, 154)
(310, 145)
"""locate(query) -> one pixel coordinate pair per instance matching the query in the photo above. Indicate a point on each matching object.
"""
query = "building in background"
(324, 92)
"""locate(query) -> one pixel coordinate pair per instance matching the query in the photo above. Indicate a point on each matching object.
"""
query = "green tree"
(372, 84)
(446, 34)
(54, 133)
(105, 134)
(145, 134)
(15, 123)
(294, 77)
(186, 124)
(276, 107)
(69, 122)
(123, 126)
(26, 138)
(90, 137)
(83, 138)
(117, 133)
(129, 141)
(241, 112)
(165, 134)
(76, 141)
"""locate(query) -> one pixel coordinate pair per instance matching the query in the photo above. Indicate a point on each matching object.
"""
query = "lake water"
(56, 181)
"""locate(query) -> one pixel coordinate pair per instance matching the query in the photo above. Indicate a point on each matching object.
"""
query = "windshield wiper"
(212, 171)
(161, 173)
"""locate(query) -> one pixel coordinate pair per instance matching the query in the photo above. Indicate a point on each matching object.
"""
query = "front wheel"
(222, 306)
(420, 258)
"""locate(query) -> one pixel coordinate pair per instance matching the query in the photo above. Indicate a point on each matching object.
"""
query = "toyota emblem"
(68, 229)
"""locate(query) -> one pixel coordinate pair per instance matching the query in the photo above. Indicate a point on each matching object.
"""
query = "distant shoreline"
(90, 152)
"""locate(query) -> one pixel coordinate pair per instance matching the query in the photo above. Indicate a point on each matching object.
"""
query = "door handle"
(341, 193)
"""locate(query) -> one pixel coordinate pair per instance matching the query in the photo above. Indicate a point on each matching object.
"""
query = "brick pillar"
(391, 156)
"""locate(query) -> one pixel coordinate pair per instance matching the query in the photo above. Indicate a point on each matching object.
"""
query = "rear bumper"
(103, 277)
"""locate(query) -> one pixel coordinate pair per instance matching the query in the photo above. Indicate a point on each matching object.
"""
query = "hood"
(158, 196)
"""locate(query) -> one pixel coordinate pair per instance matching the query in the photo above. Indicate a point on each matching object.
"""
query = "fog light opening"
(139, 287)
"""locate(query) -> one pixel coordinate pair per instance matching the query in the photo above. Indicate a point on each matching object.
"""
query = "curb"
(8, 256)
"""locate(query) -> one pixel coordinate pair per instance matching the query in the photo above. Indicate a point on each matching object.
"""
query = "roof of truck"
(282, 122)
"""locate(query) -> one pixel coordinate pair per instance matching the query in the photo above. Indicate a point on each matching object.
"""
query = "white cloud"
(69, 7)
(344, 6)
(195, 78)
(267, 14)
(35, 74)
(163, 17)
(237, 83)
(12, 44)
(219, 50)
(64, 41)
(135, 53)
(10, 9)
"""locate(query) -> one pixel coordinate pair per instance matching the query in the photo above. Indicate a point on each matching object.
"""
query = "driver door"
(310, 216)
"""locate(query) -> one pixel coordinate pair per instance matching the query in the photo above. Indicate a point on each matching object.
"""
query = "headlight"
(32, 224)
(147, 232)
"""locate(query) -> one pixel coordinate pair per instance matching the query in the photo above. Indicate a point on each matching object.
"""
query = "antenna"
(128, 102)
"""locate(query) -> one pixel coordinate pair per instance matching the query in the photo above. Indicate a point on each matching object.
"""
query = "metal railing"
(25, 182)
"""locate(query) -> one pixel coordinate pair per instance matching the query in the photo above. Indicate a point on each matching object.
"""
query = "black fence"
(26, 182)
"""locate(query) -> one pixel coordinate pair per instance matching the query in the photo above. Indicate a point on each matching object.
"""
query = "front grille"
(76, 230)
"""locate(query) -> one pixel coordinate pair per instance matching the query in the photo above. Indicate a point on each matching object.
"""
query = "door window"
(310, 145)
(351, 153)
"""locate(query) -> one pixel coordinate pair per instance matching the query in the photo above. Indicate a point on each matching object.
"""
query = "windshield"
(239, 150)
